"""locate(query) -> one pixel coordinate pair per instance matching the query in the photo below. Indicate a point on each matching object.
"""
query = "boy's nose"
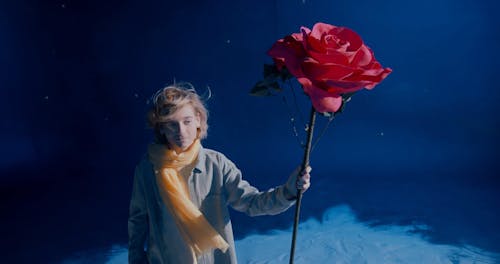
(182, 129)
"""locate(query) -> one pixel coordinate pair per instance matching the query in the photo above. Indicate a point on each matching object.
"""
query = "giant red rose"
(328, 61)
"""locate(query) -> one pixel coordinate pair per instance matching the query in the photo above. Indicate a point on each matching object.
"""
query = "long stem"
(305, 164)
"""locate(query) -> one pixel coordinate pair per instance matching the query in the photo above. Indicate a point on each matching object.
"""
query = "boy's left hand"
(298, 181)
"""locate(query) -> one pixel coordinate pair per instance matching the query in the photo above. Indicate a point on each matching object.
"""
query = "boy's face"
(181, 129)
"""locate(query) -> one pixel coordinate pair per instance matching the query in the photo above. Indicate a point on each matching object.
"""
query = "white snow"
(340, 238)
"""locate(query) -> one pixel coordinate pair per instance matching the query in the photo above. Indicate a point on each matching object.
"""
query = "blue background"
(76, 76)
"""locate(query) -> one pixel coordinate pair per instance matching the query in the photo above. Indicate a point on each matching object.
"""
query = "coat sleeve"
(245, 198)
(137, 221)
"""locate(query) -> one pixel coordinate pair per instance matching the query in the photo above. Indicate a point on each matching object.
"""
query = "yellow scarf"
(192, 224)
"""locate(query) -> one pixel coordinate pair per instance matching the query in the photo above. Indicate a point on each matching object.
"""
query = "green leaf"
(347, 96)
(270, 85)
(285, 74)
(259, 90)
(275, 86)
(270, 70)
(345, 99)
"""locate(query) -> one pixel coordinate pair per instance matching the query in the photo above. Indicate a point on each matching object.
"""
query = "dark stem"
(305, 164)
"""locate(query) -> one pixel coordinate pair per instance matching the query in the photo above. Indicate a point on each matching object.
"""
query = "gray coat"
(214, 183)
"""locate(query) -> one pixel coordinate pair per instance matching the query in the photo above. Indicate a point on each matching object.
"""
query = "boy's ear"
(198, 120)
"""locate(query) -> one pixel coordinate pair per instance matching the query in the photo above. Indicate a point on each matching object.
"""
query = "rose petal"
(310, 43)
(319, 29)
(363, 56)
(381, 77)
(306, 83)
(372, 76)
(317, 71)
(323, 101)
(350, 36)
(288, 51)
(298, 37)
(324, 39)
(356, 82)
(314, 38)
(342, 87)
(329, 57)
(280, 63)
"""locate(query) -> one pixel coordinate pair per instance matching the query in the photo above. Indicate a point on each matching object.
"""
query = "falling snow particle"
(46, 97)
(228, 41)
(381, 134)
(136, 95)
(63, 5)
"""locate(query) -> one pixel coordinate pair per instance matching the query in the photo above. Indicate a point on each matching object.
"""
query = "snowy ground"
(340, 238)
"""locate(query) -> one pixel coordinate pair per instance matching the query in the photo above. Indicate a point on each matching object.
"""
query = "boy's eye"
(169, 125)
